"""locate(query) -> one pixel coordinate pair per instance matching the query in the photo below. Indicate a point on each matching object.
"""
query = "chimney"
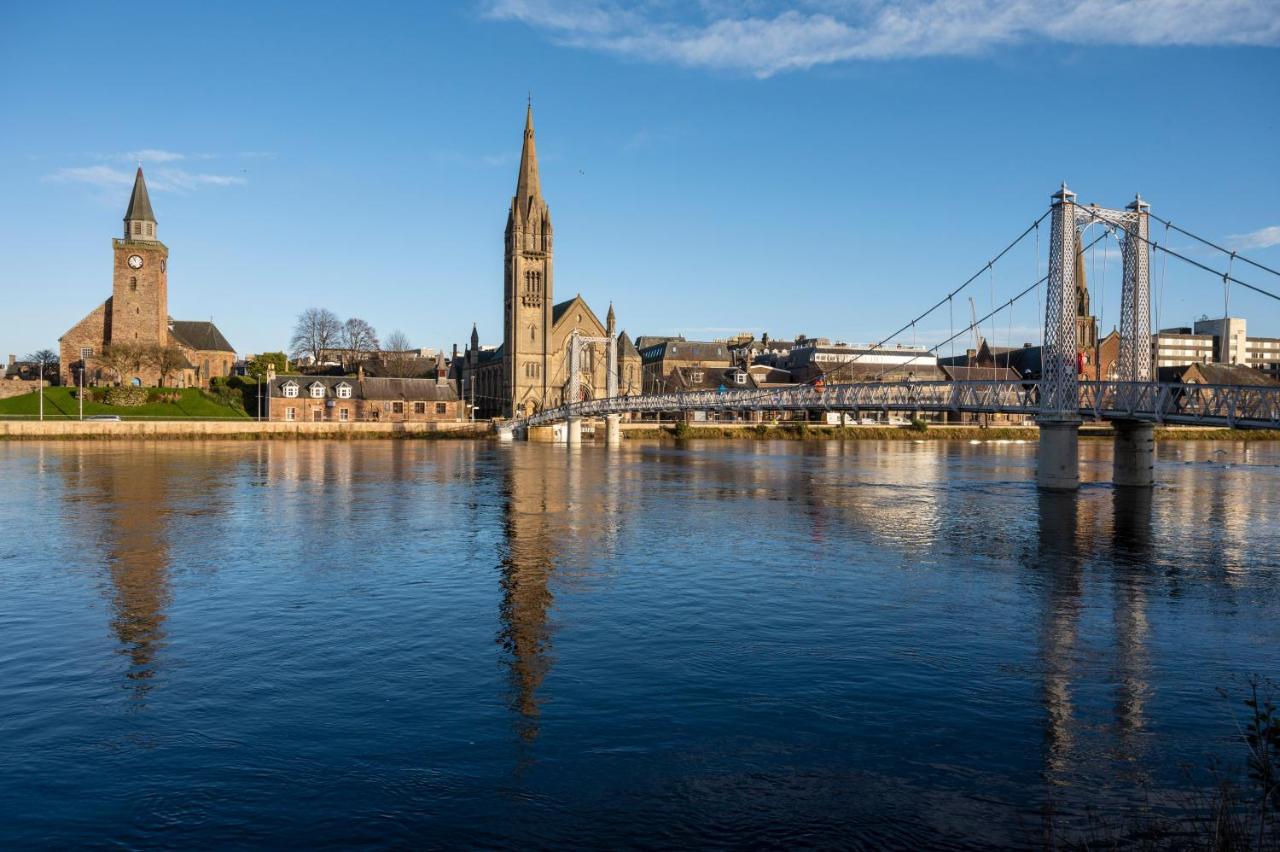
(271, 372)
(360, 372)
(441, 377)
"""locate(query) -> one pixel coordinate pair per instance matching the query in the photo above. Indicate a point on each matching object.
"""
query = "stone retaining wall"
(164, 429)
(19, 387)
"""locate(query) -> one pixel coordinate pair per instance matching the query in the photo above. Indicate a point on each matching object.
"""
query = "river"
(719, 644)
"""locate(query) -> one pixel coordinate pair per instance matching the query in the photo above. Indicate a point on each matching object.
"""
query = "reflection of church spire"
(526, 598)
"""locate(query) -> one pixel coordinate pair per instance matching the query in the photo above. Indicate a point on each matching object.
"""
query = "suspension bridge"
(1058, 399)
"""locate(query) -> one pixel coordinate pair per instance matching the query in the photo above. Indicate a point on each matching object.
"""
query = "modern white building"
(1216, 341)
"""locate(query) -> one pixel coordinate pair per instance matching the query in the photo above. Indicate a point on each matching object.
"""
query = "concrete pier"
(1135, 454)
(1058, 462)
(575, 431)
(613, 430)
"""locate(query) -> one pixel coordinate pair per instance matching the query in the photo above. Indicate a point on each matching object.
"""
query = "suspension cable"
(1168, 224)
(1216, 272)
(1034, 226)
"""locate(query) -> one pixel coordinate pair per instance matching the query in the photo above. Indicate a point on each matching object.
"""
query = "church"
(136, 316)
(529, 371)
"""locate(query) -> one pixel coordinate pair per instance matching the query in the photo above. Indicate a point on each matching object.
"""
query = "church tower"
(527, 287)
(140, 279)
(1086, 322)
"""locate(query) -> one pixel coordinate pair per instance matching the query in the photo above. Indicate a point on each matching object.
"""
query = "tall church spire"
(528, 188)
(139, 220)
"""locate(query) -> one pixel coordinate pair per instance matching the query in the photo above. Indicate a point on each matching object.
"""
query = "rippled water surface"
(445, 643)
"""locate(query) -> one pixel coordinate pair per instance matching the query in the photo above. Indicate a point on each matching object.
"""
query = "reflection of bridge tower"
(1065, 527)
(1059, 419)
(1059, 553)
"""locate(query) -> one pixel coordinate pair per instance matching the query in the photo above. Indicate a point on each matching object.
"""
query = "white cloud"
(1259, 239)
(95, 175)
(765, 38)
(150, 155)
(159, 180)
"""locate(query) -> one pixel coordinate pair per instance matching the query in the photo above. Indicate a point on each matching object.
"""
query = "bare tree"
(166, 360)
(359, 340)
(121, 358)
(397, 362)
(46, 360)
(317, 331)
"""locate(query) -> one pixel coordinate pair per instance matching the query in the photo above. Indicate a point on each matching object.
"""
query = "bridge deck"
(1237, 406)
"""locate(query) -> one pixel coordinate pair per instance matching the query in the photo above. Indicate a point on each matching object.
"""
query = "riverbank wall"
(254, 430)
(231, 429)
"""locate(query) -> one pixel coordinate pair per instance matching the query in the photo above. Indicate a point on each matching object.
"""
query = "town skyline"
(716, 212)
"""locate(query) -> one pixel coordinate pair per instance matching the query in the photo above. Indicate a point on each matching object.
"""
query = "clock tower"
(139, 306)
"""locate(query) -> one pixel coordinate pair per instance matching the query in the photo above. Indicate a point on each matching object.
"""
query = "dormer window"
(317, 391)
(695, 376)
(740, 378)
(290, 389)
(344, 391)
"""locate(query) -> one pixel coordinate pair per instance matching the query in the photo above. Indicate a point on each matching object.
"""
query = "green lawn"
(60, 404)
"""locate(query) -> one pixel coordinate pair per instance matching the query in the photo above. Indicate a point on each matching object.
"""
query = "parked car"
(105, 418)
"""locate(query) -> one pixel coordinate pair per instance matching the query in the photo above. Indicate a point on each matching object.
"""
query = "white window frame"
(290, 390)
(344, 414)
(317, 391)
(344, 391)
(291, 413)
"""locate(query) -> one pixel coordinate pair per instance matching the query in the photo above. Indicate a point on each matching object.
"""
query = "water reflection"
(531, 500)
(126, 507)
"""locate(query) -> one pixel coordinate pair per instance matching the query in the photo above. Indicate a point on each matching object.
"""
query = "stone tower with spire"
(140, 278)
(528, 282)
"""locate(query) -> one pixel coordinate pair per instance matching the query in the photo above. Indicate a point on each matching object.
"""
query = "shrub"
(125, 396)
(918, 424)
(682, 431)
(762, 429)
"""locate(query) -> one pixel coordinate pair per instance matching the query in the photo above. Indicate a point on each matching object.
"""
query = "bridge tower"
(1135, 446)
(1058, 464)
(1059, 419)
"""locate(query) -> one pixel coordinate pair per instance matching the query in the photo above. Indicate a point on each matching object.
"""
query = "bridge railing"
(1245, 406)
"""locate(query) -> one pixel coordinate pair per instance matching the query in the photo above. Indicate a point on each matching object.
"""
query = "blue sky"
(822, 167)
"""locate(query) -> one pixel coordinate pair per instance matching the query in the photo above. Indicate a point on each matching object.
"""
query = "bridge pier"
(1135, 454)
(1058, 461)
(574, 435)
(613, 430)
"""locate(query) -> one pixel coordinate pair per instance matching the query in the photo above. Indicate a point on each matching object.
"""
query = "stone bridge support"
(1135, 454)
(1058, 461)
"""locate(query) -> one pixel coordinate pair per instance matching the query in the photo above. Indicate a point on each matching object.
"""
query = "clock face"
(135, 261)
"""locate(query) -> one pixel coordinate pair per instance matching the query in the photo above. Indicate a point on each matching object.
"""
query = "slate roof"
(413, 390)
(627, 349)
(200, 335)
(1217, 374)
(687, 350)
(139, 201)
(980, 374)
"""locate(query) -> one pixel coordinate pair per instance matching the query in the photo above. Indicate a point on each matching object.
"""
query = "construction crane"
(973, 327)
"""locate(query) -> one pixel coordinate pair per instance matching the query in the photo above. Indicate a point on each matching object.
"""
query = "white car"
(105, 418)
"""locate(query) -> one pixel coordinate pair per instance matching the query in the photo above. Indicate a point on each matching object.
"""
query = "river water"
(721, 644)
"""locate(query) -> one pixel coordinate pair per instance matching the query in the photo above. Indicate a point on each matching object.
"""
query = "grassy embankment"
(60, 404)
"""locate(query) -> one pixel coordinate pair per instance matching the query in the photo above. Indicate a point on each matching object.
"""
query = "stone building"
(663, 357)
(343, 399)
(137, 313)
(530, 370)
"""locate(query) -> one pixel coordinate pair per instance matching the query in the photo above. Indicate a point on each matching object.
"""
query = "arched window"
(133, 285)
(149, 227)
(137, 228)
